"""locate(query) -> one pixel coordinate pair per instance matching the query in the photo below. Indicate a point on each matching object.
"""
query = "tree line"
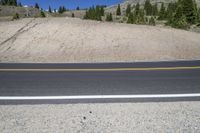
(180, 14)
(95, 13)
(10, 3)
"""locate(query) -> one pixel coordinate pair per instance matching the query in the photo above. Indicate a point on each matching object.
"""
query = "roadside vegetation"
(15, 16)
(9, 2)
(181, 14)
(95, 13)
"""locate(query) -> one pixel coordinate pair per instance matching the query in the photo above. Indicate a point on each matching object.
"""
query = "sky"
(69, 4)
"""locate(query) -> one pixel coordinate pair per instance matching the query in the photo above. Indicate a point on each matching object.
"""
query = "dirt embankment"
(75, 40)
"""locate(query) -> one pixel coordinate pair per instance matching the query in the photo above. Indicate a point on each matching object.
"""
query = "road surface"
(103, 82)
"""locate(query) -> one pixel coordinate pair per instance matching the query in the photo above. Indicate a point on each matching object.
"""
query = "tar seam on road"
(103, 69)
(99, 97)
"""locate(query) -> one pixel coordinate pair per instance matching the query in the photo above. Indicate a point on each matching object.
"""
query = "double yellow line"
(100, 70)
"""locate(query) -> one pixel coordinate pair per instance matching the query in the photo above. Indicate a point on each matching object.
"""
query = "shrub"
(16, 16)
(118, 12)
(181, 23)
(73, 15)
(42, 14)
(109, 17)
(152, 21)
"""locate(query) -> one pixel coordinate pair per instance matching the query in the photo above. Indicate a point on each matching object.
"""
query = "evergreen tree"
(64, 9)
(37, 6)
(198, 15)
(141, 17)
(198, 18)
(20, 4)
(118, 10)
(137, 9)
(14, 2)
(179, 20)
(171, 9)
(179, 13)
(162, 13)
(189, 10)
(148, 7)
(61, 9)
(102, 11)
(155, 10)
(109, 17)
(50, 11)
(55, 11)
(98, 13)
(94, 13)
(77, 8)
(128, 9)
(9, 2)
(131, 19)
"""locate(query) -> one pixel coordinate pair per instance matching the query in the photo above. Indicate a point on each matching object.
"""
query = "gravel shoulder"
(110, 117)
(72, 40)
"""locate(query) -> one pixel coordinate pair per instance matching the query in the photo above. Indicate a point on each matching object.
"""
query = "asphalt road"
(156, 79)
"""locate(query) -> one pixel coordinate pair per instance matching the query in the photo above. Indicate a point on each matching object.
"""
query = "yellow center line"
(98, 69)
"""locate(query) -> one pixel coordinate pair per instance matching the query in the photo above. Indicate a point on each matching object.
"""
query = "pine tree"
(130, 18)
(15, 2)
(128, 9)
(37, 6)
(162, 13)
(55, 11)
(60, 10)
(148, 7)
(171, 9)
(20, 4)
(141, 17)
(50, 11)
(94, 13)
(98, 13)
(9, 2)
(102, 11)
(77, 8)
(179, 13)
(179, 20)
(137, 9)
(109, 17)
(155, 10)
(198, 15)
(189, 10)
(118, 10)
(64, 9)
(198, 18)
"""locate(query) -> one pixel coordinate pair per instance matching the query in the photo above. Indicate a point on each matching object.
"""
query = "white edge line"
(98, 97)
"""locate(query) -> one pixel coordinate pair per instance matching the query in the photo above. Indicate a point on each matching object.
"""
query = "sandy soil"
(179, 117)
(75, 40)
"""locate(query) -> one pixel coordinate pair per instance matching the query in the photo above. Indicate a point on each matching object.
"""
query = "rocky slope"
(134, 2)
(76, 40)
